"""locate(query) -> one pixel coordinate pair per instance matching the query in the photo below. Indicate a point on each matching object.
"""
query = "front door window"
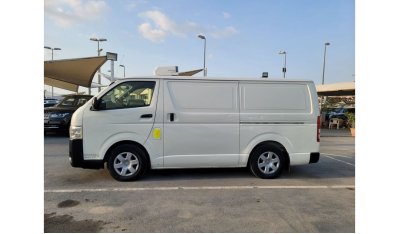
(132, 94)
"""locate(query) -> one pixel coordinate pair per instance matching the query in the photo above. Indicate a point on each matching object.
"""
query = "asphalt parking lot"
(311, 198)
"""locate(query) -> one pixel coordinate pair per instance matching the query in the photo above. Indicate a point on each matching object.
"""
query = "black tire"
(267, 161)
(127, 163)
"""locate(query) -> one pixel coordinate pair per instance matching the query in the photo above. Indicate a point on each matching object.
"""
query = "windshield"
(76, 101)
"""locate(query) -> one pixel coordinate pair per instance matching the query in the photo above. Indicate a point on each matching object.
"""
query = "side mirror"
(95, 104)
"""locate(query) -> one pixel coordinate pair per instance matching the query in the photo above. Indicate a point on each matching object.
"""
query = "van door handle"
(171, 117)
(146, 116)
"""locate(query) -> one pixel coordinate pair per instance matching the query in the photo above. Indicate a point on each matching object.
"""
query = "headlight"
(75, 132)
(58, 115)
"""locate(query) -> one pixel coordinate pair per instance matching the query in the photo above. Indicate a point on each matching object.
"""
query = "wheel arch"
(126, 142)
(278, 144)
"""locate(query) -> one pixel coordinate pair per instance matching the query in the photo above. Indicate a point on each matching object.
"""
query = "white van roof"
(217, 78)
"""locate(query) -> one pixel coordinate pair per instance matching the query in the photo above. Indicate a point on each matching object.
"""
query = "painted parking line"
(338, 160)
(339, 155)
(198, 188)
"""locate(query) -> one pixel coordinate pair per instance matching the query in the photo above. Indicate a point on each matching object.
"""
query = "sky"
(244, 38)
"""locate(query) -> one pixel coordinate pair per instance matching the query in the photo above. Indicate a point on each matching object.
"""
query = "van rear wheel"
(267, 161)
(127, 163)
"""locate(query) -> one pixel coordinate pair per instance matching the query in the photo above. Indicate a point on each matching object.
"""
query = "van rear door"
(201, 123)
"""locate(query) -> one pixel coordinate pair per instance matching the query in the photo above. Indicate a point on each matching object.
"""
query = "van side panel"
(284, 112)
(275, 102)
(204, 131)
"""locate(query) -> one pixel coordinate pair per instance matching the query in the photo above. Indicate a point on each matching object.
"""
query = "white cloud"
(225, 32)
(158, 25)
(163, 22)
(152, 34)
(66, 13)
(133, 4)
(226, 15)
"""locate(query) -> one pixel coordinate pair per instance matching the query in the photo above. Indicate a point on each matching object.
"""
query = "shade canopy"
(337, 89)
(69, 74)
(189, 73)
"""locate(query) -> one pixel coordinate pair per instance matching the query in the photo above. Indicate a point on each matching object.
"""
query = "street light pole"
(284, 66)
(323, 69)
(124, 68)
(205, 46)
(52, 49)
(98, 54)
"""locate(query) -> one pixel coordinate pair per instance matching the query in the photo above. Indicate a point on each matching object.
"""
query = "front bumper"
(76, 156)
(56, 124)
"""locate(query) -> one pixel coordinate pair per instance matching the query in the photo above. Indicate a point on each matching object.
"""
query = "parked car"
(48, 102)
(58, 117)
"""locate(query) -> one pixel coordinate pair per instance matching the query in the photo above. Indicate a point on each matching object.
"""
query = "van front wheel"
(127, 163)
(267, 161)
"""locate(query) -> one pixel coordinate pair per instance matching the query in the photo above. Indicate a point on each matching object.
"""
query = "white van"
(146, 123)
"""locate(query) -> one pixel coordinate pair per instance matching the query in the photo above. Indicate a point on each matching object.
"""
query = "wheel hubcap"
(126, 164)
(268, 162)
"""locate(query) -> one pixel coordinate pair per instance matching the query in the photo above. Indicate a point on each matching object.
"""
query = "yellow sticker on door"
(157, 133)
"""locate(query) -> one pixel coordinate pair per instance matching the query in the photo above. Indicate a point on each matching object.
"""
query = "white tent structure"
(337, 89)
(69, 74)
